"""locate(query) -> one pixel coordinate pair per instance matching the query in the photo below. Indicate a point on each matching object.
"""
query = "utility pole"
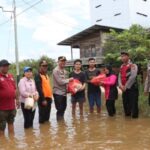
(15, 37)
(16, 42)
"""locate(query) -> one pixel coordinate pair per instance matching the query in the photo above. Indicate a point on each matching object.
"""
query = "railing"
(99, 60)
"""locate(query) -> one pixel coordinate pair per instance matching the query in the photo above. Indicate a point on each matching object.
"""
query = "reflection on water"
(96, 131)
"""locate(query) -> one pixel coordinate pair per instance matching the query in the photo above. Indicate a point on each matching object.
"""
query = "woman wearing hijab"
(111, 92)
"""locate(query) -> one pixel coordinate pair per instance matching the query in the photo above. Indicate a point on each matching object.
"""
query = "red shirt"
(7, 92)
(124, 71)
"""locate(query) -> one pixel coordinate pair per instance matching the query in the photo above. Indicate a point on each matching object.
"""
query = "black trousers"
(60, 104)
(44, 111)
(28, 115)
(130, 102)
(110, 105)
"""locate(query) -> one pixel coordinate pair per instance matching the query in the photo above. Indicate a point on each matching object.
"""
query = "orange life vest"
(46, 87)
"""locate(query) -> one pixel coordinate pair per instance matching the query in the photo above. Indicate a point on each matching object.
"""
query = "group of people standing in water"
(40, 89)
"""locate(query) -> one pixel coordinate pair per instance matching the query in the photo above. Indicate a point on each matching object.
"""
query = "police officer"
(128, 84)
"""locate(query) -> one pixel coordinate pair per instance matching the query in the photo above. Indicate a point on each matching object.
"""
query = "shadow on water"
(90, 131)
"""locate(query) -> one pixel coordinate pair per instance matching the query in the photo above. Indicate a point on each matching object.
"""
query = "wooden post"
(71, 53)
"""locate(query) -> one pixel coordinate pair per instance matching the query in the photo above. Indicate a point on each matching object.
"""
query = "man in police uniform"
(128, 84)
(60, 82)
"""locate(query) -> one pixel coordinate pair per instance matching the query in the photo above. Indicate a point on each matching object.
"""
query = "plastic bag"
(29, 103)
(96, 80)
(74, 86)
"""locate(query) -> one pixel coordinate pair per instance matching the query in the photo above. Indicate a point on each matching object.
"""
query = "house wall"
(120, 13)
(140, 12)
(90, 45)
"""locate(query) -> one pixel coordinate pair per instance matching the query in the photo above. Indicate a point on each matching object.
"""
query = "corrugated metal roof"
(86, 32)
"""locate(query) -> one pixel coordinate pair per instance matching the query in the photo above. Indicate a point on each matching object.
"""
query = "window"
(89, 51)
(117, 14)
(142, 14)
(98, 6)
(98, 20)
(93, 51)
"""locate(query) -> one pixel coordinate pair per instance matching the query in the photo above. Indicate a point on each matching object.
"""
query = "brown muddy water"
(89, 132)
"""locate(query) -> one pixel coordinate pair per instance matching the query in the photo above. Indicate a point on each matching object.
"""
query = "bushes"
(136, 41)
(32, 63)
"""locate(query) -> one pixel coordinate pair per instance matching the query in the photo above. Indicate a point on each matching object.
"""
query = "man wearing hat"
(7, 98)
(60, 81)
(44, 89)
(128, 84)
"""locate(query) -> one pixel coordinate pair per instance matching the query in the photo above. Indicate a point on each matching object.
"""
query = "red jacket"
(125, 73)
(110, 87)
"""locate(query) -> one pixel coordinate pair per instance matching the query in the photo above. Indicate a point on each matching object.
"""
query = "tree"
(34, 64)
(136, 41)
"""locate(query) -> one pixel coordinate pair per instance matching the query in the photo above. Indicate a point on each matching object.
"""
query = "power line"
(10, 32)
(37, 10)
(5, 22)
(31, 6)
(22, 3)
(9, 37)
(57, 21)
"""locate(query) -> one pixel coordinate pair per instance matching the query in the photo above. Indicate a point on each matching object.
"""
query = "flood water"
(91, 131)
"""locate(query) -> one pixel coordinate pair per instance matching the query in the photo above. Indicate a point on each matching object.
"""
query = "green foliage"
(32, 63)
(136, 41)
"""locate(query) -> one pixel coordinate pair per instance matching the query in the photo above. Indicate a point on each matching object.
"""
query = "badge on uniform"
(2, 79)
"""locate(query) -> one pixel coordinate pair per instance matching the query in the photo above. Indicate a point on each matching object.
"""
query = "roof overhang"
(96, 28)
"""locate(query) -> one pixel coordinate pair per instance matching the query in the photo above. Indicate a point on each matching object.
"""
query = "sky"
(41, 27)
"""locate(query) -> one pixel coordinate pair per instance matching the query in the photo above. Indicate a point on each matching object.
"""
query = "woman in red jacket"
(111, 92)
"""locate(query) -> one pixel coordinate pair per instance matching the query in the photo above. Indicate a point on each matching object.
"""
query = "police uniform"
(128, 79)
